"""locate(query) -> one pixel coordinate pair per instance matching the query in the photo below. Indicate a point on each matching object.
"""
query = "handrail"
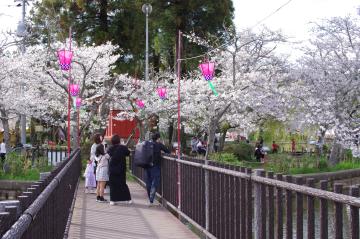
(341, 198)
(23, 223)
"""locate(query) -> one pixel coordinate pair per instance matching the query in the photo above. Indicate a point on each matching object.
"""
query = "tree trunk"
(32, 131)
(170, 133)
(336, 152)
(211, 137)
(5, 123)
(17, 130)
(142, 130)
(234, 69)
(103, 17)
(322, 141)
(222, 140)
(183, 139)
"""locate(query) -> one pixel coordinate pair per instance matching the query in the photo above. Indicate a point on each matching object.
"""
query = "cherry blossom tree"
(329, 85)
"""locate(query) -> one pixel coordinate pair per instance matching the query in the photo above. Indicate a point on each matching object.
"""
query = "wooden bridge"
(218, 201)
(137, 220)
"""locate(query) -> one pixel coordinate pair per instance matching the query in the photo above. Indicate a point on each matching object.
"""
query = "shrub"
(323, 164)
(242, 150)
(15, 163)
(224, 157)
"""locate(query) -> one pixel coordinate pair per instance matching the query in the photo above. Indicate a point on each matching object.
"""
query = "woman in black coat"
(119, 190)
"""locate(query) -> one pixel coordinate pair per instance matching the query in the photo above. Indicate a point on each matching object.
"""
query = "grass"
(344, 165)
(288, 164)
(30, 175)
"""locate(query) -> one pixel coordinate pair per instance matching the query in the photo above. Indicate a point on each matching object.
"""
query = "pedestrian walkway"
(101, 221)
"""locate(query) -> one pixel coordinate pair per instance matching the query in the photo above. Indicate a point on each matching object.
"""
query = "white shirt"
(2, 148)
(92, 152)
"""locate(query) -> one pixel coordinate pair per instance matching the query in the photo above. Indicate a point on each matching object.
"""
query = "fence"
(54, 156)
(239, 203)
(42, 211)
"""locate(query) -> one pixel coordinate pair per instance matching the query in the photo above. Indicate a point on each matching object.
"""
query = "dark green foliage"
(242, 150)
(123, 23)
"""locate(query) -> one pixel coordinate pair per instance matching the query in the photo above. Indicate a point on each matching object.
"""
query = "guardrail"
(42, 211)
(225, 201)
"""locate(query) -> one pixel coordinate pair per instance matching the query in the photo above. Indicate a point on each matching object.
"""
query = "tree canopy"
(123, 23)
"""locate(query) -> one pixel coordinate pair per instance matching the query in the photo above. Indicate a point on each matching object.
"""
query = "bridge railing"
(43, 210)
(224, 201)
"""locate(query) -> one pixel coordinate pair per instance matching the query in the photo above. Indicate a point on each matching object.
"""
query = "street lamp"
(21, 32)
(65, 60)
(147, 8)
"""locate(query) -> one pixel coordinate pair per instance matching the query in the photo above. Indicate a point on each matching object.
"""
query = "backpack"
(144, 154)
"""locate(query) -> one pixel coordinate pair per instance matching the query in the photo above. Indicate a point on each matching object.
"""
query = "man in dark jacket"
(153, 173)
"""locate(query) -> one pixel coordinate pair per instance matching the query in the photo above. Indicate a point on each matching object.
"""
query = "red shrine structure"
(123, 128)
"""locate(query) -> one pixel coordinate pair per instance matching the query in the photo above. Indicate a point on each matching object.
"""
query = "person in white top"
(2, 151)
(102, 172)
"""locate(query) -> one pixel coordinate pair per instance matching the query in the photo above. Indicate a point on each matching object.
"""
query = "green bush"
(19, 167)
(323, 164)
(242, 150)
(224, 157)
(15, 162)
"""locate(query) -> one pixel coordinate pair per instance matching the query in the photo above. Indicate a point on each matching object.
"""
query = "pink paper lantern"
(140, 104)
(161, 92)
(74, 89)
(78, 102)
(65, 58)
(207, 69)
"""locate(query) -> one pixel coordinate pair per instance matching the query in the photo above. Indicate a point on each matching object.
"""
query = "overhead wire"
(232, 40)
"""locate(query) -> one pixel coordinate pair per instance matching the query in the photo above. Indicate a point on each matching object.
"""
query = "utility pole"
(21, 32)
(147, 9)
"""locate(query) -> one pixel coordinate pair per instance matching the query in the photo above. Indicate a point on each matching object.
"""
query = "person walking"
(259, 154)
(102, 169)
(153, 173)
(274, 147)
(2, 151)
(119, 190)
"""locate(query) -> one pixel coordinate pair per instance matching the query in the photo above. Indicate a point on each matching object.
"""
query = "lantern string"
(234, 39)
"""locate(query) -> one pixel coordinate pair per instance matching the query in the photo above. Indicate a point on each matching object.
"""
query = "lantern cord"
(231, 41)
(213, 88)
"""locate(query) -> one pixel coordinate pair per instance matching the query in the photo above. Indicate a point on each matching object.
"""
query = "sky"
(293, 19)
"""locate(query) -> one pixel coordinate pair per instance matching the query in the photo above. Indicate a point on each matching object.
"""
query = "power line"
(271, 14)
(232, 40)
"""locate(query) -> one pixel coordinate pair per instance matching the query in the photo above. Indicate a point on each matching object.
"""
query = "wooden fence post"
(271, 207)
(207, 208)
(260, 207)
(279, 208)
(323, 213)
(299, 211)
(249, 204)
(310, 211)
(338, 213)
(289, 226)
(354, 214)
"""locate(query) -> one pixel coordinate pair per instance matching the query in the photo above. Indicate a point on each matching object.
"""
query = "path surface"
(101, 221)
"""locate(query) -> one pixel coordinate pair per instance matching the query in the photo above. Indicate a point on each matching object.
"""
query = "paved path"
(101, 221)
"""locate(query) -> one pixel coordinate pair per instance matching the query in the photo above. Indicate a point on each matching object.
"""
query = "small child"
(89, 175)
